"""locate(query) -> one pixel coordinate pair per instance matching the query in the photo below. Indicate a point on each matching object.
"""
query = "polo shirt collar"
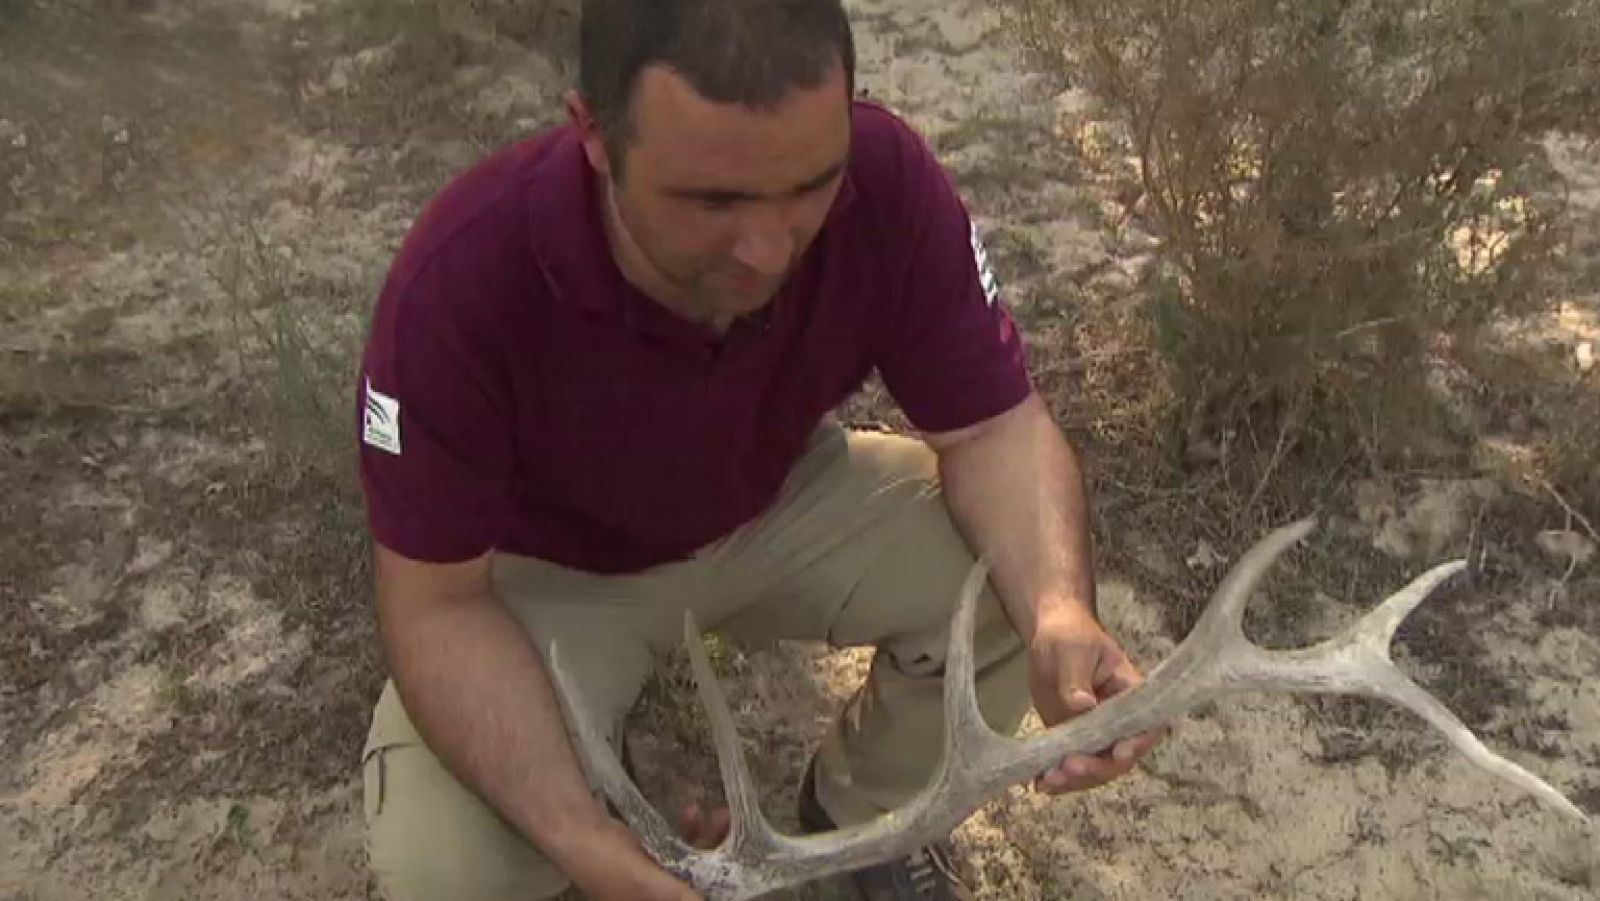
(569, 237)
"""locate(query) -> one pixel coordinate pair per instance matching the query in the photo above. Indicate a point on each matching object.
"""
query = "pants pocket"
(374, 778)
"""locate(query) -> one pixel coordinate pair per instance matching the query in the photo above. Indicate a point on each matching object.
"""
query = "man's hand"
(1074, 665)
(704, 829)
(612, 866)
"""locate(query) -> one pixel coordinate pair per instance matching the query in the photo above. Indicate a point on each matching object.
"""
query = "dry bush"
(1336, 185)
(418, 63)
(1575, 444)
(296, 358)
(1545, 419)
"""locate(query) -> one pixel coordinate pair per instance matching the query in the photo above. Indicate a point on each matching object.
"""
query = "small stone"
(11, 133)
(150, 555)
(1205, 557)
(1375, 502)
(1566, 546)
(1075, 102)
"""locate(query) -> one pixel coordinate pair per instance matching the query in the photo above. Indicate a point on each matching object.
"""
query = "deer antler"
(1215, 661)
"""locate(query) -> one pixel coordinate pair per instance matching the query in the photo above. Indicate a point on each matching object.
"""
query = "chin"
(753, 308)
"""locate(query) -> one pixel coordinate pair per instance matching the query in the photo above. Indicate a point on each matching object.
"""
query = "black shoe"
(925, 875)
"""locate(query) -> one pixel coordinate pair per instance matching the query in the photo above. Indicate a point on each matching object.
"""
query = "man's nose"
(765, 244)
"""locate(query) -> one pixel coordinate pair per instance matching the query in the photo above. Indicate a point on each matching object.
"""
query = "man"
(596, 394)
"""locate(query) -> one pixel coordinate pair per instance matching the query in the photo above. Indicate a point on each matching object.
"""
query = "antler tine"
(653, 831)
(1358, 661)
(1403, 691)
(967, 734)
(1377, 629)
(1225, 613)
(750, 832)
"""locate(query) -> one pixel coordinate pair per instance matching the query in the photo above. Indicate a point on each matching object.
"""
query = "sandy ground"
(186, 656)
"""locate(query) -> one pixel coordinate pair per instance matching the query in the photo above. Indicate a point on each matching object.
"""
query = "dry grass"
(412, 68)
(231, 443)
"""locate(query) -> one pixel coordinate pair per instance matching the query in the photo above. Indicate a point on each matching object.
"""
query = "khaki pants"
(858, 550)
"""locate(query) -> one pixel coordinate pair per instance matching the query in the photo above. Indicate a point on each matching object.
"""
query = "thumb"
(1075, 680)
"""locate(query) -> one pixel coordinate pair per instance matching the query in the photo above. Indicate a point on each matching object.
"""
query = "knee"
(995, 642)
(430, 839)
(892, 458)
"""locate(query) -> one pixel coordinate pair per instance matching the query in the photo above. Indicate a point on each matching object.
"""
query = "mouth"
(743, 290)
(748, 280)
(744, 276)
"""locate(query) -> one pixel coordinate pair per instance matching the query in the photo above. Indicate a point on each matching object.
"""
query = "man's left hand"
(1074, 665)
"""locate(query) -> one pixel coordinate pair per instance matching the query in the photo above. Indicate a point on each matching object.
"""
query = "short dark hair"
(748, 52)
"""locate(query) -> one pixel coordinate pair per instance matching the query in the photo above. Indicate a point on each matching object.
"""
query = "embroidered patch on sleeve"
(991, 282)
(382, 421)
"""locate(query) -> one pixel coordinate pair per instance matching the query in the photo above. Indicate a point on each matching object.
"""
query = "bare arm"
(477, 691)
(1016, 492)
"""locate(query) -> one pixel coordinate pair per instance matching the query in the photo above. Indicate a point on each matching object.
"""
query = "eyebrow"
(731, 195)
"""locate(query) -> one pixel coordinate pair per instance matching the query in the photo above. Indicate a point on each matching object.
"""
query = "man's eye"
(811, 190)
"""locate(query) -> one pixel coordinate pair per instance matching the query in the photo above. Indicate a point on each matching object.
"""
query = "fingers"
(1122, 676)
(1063, 682)
(1084, 772)
(690, 824)
(1075, 677)
(704, 830)
(1133, 748)
(1081, 773)
(1078, 702)
(1071, 678)
(721, 824)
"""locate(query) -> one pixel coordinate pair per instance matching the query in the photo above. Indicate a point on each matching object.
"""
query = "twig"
(1472, 539)
(1574, 514)
(1560, 588)
(1272, 467)
(1367, 326)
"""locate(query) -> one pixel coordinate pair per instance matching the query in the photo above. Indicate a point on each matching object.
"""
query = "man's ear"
(594, 144)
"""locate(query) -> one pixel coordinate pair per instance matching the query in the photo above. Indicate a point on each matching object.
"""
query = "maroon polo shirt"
(519, 395)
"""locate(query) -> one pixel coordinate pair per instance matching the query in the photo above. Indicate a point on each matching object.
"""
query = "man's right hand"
(611, 866)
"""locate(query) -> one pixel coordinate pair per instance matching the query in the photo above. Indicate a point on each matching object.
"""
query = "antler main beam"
(1214, 661)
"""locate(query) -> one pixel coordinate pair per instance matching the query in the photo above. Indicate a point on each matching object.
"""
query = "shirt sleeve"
(952, 356)
(435, 424)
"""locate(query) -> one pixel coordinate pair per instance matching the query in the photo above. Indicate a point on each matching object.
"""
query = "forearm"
(478, 693)
(1017, 494)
